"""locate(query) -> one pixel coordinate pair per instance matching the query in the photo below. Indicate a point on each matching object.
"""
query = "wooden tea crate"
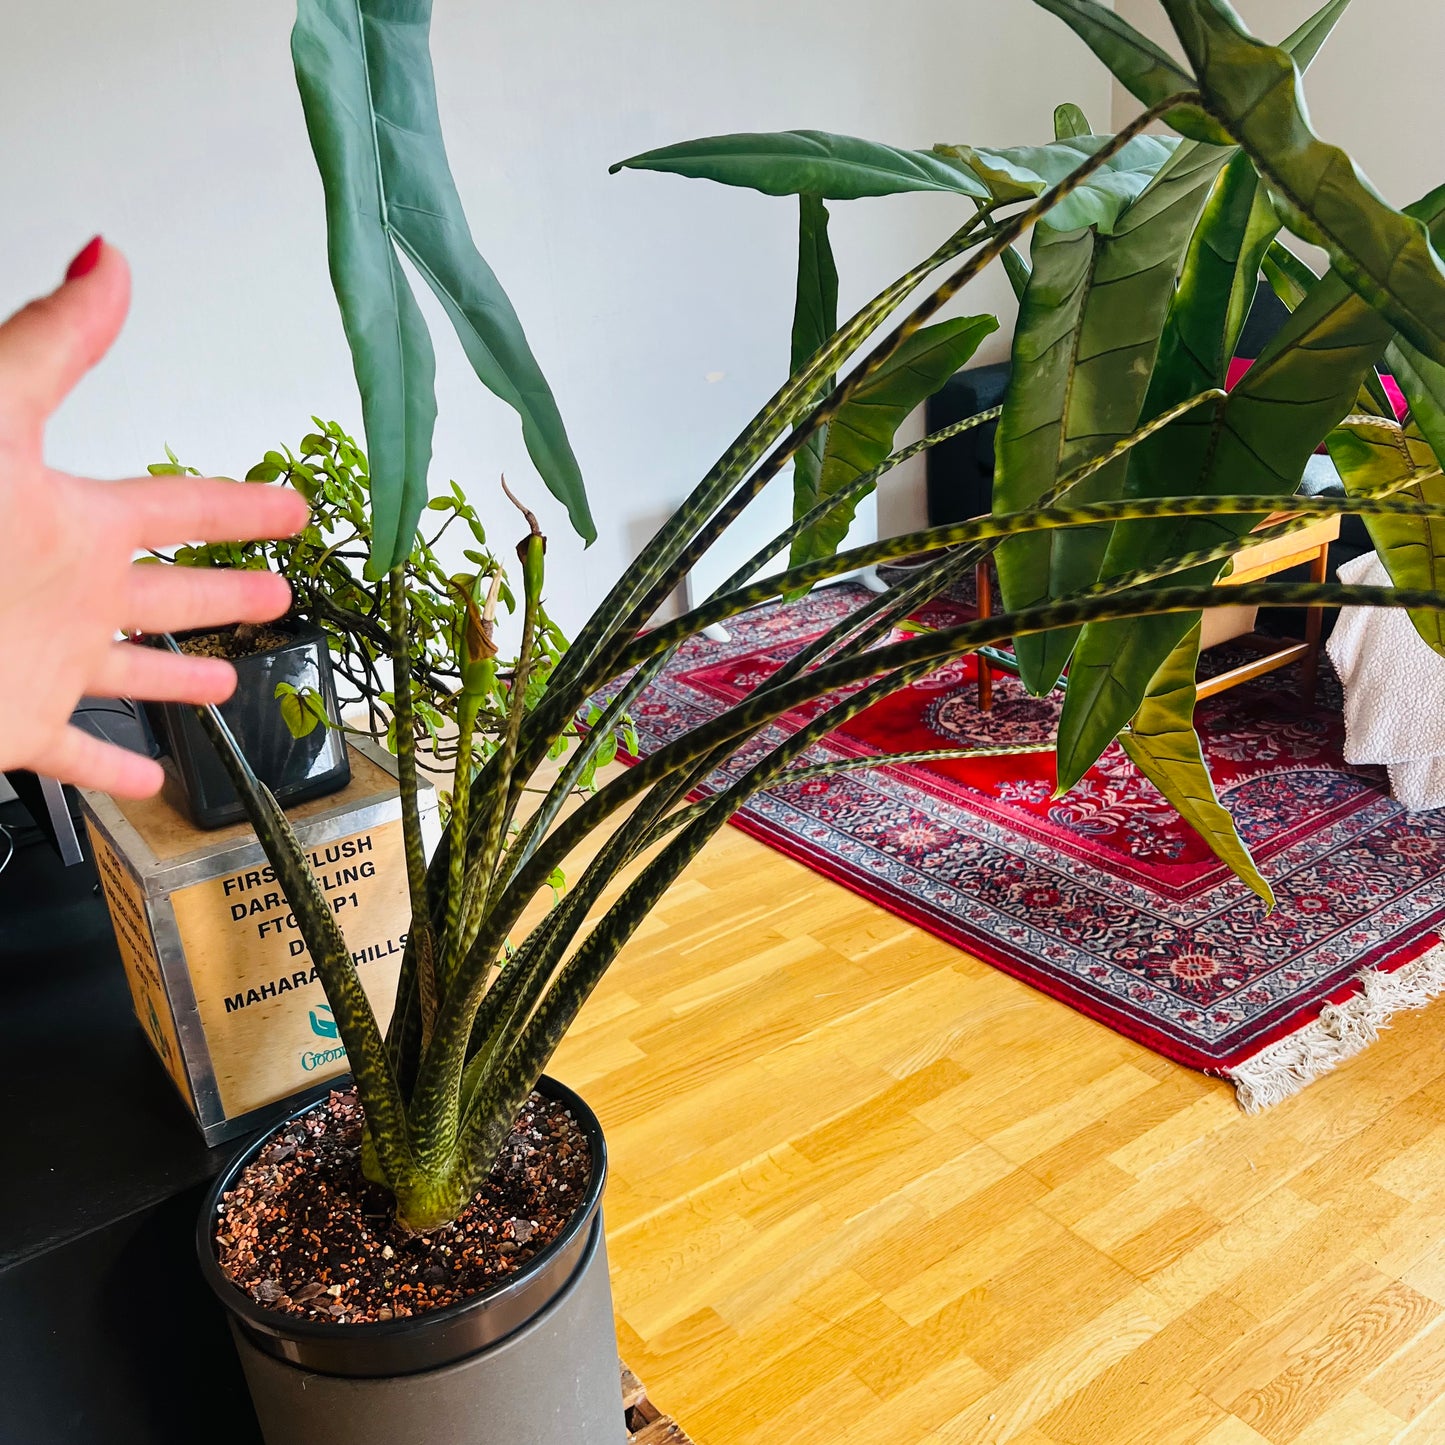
(221, 981)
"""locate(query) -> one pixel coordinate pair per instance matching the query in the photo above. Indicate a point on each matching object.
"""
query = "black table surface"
(94, 1128)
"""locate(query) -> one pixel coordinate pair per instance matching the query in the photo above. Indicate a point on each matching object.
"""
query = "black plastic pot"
(293, 768)
(532, 1362)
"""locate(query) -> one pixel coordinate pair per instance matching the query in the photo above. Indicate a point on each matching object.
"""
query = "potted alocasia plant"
(386, 1278)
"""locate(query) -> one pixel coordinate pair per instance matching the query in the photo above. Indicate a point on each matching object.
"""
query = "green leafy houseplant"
(1117, 511)
(322, 563)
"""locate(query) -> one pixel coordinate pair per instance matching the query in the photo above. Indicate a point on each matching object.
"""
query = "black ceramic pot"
(532, 1362)
(293, 768)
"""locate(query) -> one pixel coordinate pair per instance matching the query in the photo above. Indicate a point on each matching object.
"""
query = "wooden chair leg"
(1314, 623)
(983, 589)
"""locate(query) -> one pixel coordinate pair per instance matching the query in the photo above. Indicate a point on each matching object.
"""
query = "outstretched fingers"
(153, 675)
(167, 511)
(162, 598)
(129, 670)
(76, 757)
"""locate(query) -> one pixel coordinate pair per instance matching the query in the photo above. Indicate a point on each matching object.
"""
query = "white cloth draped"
(1394, 692)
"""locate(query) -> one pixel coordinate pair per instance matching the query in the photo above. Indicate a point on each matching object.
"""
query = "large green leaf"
(1216, 285)
(1253, 88)
(1289, 278)
(1163, 745)
(1291, 281)
(1151, 75)
(1070, 121)
(1019, 173)
(364, 71)
(1256, 236)
(1377, 454)
(1306, 42)
(860, 437)
(1226, 244)
(1221, 269)
(1145, 70)
(1256, 441)
(1088, 327)
(1423, 382)
(1018, 271)
(815, 319)
(391, 349)
(815, 307)
(809, 162)
(1423, 551)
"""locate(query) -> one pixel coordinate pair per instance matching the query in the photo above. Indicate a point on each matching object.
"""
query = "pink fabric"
(1397, 397)
(1237, 367)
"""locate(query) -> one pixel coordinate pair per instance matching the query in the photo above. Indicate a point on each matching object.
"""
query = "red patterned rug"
(1105, 898)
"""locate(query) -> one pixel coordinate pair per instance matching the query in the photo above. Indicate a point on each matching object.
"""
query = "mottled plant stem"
(404, 730)
(461, 802)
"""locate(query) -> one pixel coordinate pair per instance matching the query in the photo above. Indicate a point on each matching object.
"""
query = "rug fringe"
(1341, 1031)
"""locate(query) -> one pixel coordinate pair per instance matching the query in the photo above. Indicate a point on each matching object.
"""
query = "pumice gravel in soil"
(245, 639)
(304, 1232)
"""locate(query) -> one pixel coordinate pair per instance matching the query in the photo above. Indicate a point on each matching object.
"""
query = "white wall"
(1371, 89)
(659, 308)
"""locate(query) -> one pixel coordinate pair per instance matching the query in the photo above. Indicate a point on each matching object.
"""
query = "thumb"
(47, 346)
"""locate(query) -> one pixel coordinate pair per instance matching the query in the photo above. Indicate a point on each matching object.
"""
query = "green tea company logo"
(324, 1028)
(323, 1025)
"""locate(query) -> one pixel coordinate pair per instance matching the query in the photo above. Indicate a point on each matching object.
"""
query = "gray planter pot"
(533, 1362)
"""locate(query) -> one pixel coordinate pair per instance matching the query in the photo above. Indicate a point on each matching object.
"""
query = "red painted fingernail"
(86, 261)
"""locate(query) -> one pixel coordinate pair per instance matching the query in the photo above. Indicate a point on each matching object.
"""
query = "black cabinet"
(108, 1335)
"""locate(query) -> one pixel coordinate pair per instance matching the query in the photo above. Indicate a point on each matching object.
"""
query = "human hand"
(68, 584)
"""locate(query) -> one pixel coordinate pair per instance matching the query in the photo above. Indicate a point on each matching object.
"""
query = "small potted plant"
(330, 652)
(284, 710)
(299, 753)
(424, 1259)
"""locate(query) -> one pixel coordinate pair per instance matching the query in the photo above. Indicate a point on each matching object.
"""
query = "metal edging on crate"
(186, 1015)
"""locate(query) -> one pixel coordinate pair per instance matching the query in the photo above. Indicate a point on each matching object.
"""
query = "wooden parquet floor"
(867, 1189)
